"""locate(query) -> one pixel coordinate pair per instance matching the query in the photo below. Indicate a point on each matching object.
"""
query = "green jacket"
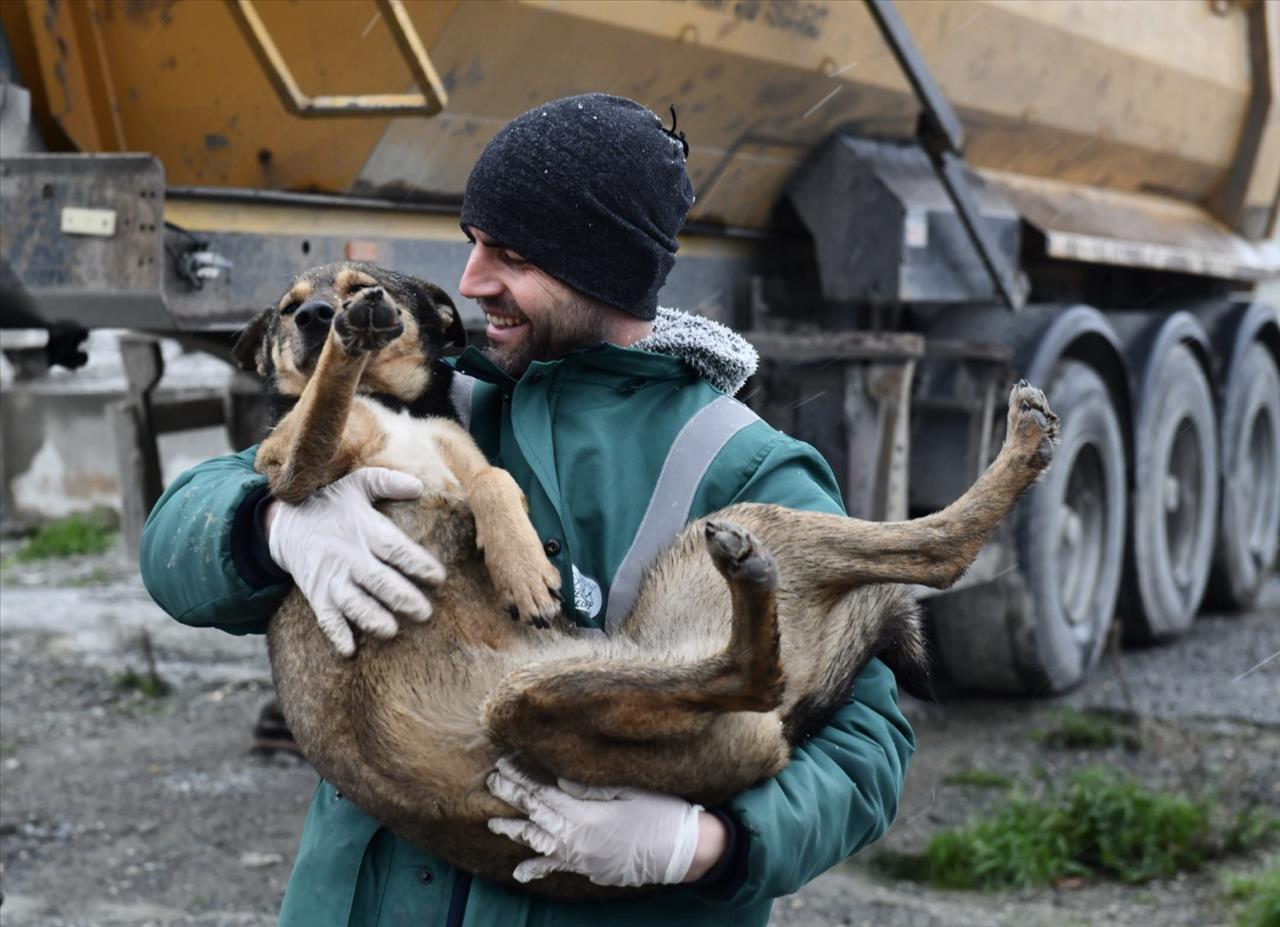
(586, 437)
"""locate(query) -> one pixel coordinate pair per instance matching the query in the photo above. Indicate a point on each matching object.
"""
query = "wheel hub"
(1081, 527)
(1182, 500)
(1257, 468)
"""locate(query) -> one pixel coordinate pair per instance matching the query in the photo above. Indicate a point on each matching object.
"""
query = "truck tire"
(1175, 501)
(1070, 532)
(1249, 525)
(1038, 629)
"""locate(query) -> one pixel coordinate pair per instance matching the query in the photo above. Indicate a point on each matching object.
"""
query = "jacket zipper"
(458, 899)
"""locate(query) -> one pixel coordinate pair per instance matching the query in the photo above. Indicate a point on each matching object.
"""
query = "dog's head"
(283, 342)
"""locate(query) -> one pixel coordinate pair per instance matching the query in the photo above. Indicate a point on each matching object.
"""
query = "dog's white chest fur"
(413, 446)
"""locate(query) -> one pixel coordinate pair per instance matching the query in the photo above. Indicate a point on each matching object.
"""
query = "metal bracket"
(941, 136)
(432, 99)
(97, 281)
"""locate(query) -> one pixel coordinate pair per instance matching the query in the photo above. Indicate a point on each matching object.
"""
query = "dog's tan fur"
(746, 635)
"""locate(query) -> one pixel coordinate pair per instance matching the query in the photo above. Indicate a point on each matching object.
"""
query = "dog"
(745, 638)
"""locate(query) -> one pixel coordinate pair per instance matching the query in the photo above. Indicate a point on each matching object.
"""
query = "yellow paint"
(205, 215)
(1127, 95)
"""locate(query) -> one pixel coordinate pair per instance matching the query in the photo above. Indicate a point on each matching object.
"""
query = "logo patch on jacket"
(587, 597)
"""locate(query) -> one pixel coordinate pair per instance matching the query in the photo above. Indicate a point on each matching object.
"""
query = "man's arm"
(841, 788)
(203, 556)
(839, 793)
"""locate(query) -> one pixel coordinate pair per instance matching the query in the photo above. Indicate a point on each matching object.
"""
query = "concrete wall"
(57, 453)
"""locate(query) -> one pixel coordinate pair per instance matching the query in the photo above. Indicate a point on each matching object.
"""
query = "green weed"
(979, 778)
(72, 536)
(1250, 828)
(1101, 824)
(149, 684)
(1260, 896)
(1082, 730)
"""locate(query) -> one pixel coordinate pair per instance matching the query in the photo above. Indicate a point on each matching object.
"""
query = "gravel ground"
(117, 808)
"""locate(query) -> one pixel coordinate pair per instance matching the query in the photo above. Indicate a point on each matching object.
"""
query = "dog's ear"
(455, 334)
(448, 321)
(250, 340)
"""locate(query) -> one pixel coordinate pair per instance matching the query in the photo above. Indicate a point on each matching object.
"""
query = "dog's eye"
(288, 310)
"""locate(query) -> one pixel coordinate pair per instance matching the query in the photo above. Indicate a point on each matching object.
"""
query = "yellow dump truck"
(903, 205)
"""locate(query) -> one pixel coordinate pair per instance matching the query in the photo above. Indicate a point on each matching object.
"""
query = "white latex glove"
(351, 561)
(611, 835)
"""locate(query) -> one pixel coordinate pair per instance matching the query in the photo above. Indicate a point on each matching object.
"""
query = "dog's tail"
(887, 624)
(906, 649)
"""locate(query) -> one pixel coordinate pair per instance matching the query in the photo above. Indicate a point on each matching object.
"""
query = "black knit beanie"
(592, 189)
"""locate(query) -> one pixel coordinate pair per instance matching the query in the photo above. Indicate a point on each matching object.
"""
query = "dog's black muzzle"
(314, 319)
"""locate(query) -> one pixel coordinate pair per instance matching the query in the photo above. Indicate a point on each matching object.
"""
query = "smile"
(502, 321)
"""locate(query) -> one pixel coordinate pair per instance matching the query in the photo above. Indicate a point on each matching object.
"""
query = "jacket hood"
(716, 353)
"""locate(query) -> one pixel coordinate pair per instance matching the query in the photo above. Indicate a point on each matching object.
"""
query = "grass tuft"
(1260, 896)
(980, 779)
(149, 682)
(72, 536)
(1083, 730)
(151, 686)
(1101, 824)
(1250, 828)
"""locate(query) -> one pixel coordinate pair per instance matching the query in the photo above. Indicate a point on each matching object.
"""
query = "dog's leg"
(302, 453)
(653, 723)
(306, 450)
(837, 553)
(513, 554)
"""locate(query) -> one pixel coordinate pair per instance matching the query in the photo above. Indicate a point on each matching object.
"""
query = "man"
(615, 419)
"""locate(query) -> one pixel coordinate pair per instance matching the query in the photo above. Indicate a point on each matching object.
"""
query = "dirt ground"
(120, 808)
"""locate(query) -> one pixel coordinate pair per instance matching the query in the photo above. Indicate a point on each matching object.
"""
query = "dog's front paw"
(1033, 426)
(368, 322)
(529, 587)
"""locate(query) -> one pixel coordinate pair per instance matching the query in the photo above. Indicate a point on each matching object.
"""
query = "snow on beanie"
(592, 189)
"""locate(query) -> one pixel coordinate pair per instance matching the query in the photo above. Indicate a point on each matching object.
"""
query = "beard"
(571, 326)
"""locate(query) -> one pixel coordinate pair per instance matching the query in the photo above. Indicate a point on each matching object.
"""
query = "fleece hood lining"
(716, 353)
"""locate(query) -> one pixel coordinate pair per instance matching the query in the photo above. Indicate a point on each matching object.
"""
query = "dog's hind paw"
(1033, 426)
(738, 555)
(368, 322)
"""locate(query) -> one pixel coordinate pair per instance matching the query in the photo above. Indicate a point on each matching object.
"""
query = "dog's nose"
(316, 311)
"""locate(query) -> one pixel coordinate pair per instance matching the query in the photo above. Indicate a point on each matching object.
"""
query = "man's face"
(531, 315)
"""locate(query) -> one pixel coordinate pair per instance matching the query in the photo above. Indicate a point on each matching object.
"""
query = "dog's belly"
(403, 715)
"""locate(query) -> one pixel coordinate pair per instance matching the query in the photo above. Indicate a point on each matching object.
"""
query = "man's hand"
(350, 560)
(611, 835)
